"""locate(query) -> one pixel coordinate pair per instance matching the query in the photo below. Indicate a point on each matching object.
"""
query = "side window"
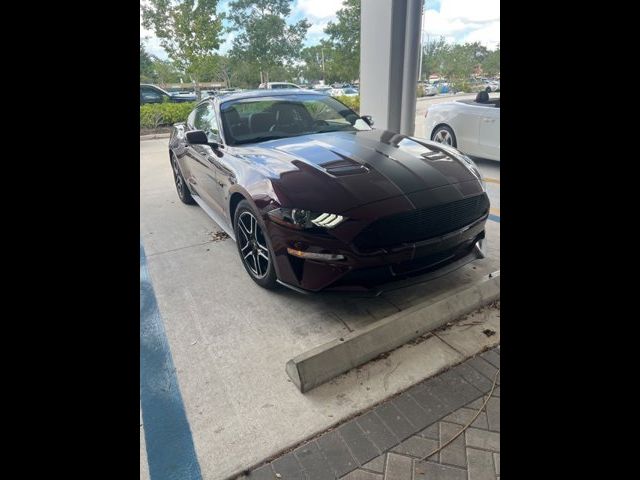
(149, 95)
(205, 120)
(191, 119)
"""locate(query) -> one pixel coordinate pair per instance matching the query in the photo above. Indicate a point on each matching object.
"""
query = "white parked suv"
(278, 85)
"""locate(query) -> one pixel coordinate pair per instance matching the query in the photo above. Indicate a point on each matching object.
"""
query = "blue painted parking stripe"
(170, 451)
(493, 217)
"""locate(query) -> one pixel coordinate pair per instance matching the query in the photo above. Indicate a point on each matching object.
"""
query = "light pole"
(421, 44)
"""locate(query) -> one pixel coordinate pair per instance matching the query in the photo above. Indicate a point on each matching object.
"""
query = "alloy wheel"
(443, 136)
(253, 245)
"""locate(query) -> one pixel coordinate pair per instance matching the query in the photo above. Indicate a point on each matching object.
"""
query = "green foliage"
(189, 31)
(433, 57)
(491, 63)
(155, 115)
(420, 91)
(264, 38)
(457, 62)
(319, 62)
(146, 66)
(344, 35)
(165, 72)
(352, 102)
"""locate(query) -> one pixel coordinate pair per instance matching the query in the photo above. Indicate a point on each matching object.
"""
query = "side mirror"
(368, 119)
(197, 137)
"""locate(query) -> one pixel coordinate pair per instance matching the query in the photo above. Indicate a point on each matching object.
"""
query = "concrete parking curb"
(327, 361)
(154, 136)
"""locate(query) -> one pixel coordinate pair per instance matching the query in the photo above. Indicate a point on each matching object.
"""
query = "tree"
(433, 56)
(263, 37)
(164, 71)
(189, 31)
(491, 63)
(146, 65)
(344, 34)
(319, 62)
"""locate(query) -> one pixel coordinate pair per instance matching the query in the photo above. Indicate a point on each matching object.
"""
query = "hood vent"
(344, 167)
(434, 155)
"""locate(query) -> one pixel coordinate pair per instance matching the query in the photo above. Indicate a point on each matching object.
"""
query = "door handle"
(489, 120)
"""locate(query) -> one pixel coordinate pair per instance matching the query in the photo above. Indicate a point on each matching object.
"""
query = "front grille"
(422, 224)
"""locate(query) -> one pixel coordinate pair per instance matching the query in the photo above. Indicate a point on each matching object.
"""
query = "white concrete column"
(389, 55)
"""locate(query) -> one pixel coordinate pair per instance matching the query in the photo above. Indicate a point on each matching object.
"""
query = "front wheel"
(254, 246)
(444, 134)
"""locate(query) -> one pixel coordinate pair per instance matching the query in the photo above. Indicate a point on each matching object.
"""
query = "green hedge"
(154, 115)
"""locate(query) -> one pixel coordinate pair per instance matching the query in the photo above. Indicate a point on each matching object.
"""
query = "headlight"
(302, 219)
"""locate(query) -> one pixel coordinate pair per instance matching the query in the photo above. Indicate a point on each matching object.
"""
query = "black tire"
(254, 246)
(440, 134)
(181, 185)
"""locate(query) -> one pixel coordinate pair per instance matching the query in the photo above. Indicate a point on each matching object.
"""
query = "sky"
(458, 21)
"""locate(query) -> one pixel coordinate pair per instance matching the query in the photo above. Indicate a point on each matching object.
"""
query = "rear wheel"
(254, 246)
(444, 134)
(181, 186)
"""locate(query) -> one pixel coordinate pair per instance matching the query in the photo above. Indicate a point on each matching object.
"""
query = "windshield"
(267, 118)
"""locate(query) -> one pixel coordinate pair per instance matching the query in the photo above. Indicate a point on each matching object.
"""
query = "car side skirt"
(216, 217)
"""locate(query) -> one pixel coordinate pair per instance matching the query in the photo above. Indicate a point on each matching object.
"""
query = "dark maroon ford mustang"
(315, 198)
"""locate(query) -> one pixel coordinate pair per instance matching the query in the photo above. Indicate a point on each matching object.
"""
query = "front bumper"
(370, 271)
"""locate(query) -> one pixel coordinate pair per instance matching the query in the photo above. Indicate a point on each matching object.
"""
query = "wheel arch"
(441, 124)
(235, 198)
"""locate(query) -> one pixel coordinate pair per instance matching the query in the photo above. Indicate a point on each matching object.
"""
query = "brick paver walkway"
(388, 442)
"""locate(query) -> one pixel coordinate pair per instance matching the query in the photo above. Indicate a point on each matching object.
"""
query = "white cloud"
(317, 9)
(466, 21)
(488, 35)
(437, 24)
(471, 11)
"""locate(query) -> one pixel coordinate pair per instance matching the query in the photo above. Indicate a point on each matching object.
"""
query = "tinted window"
(205, 120)
(150, 95)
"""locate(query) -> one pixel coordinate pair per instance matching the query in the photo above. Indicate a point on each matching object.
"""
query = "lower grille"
(422, 224)
(370, 277)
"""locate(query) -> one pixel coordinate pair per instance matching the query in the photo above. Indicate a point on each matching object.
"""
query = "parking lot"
(229, 339)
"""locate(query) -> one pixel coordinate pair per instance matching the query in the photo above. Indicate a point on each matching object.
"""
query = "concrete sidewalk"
(229, 339)
(391, 441)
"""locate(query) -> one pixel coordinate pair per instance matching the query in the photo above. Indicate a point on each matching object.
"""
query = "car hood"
(341, 170)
